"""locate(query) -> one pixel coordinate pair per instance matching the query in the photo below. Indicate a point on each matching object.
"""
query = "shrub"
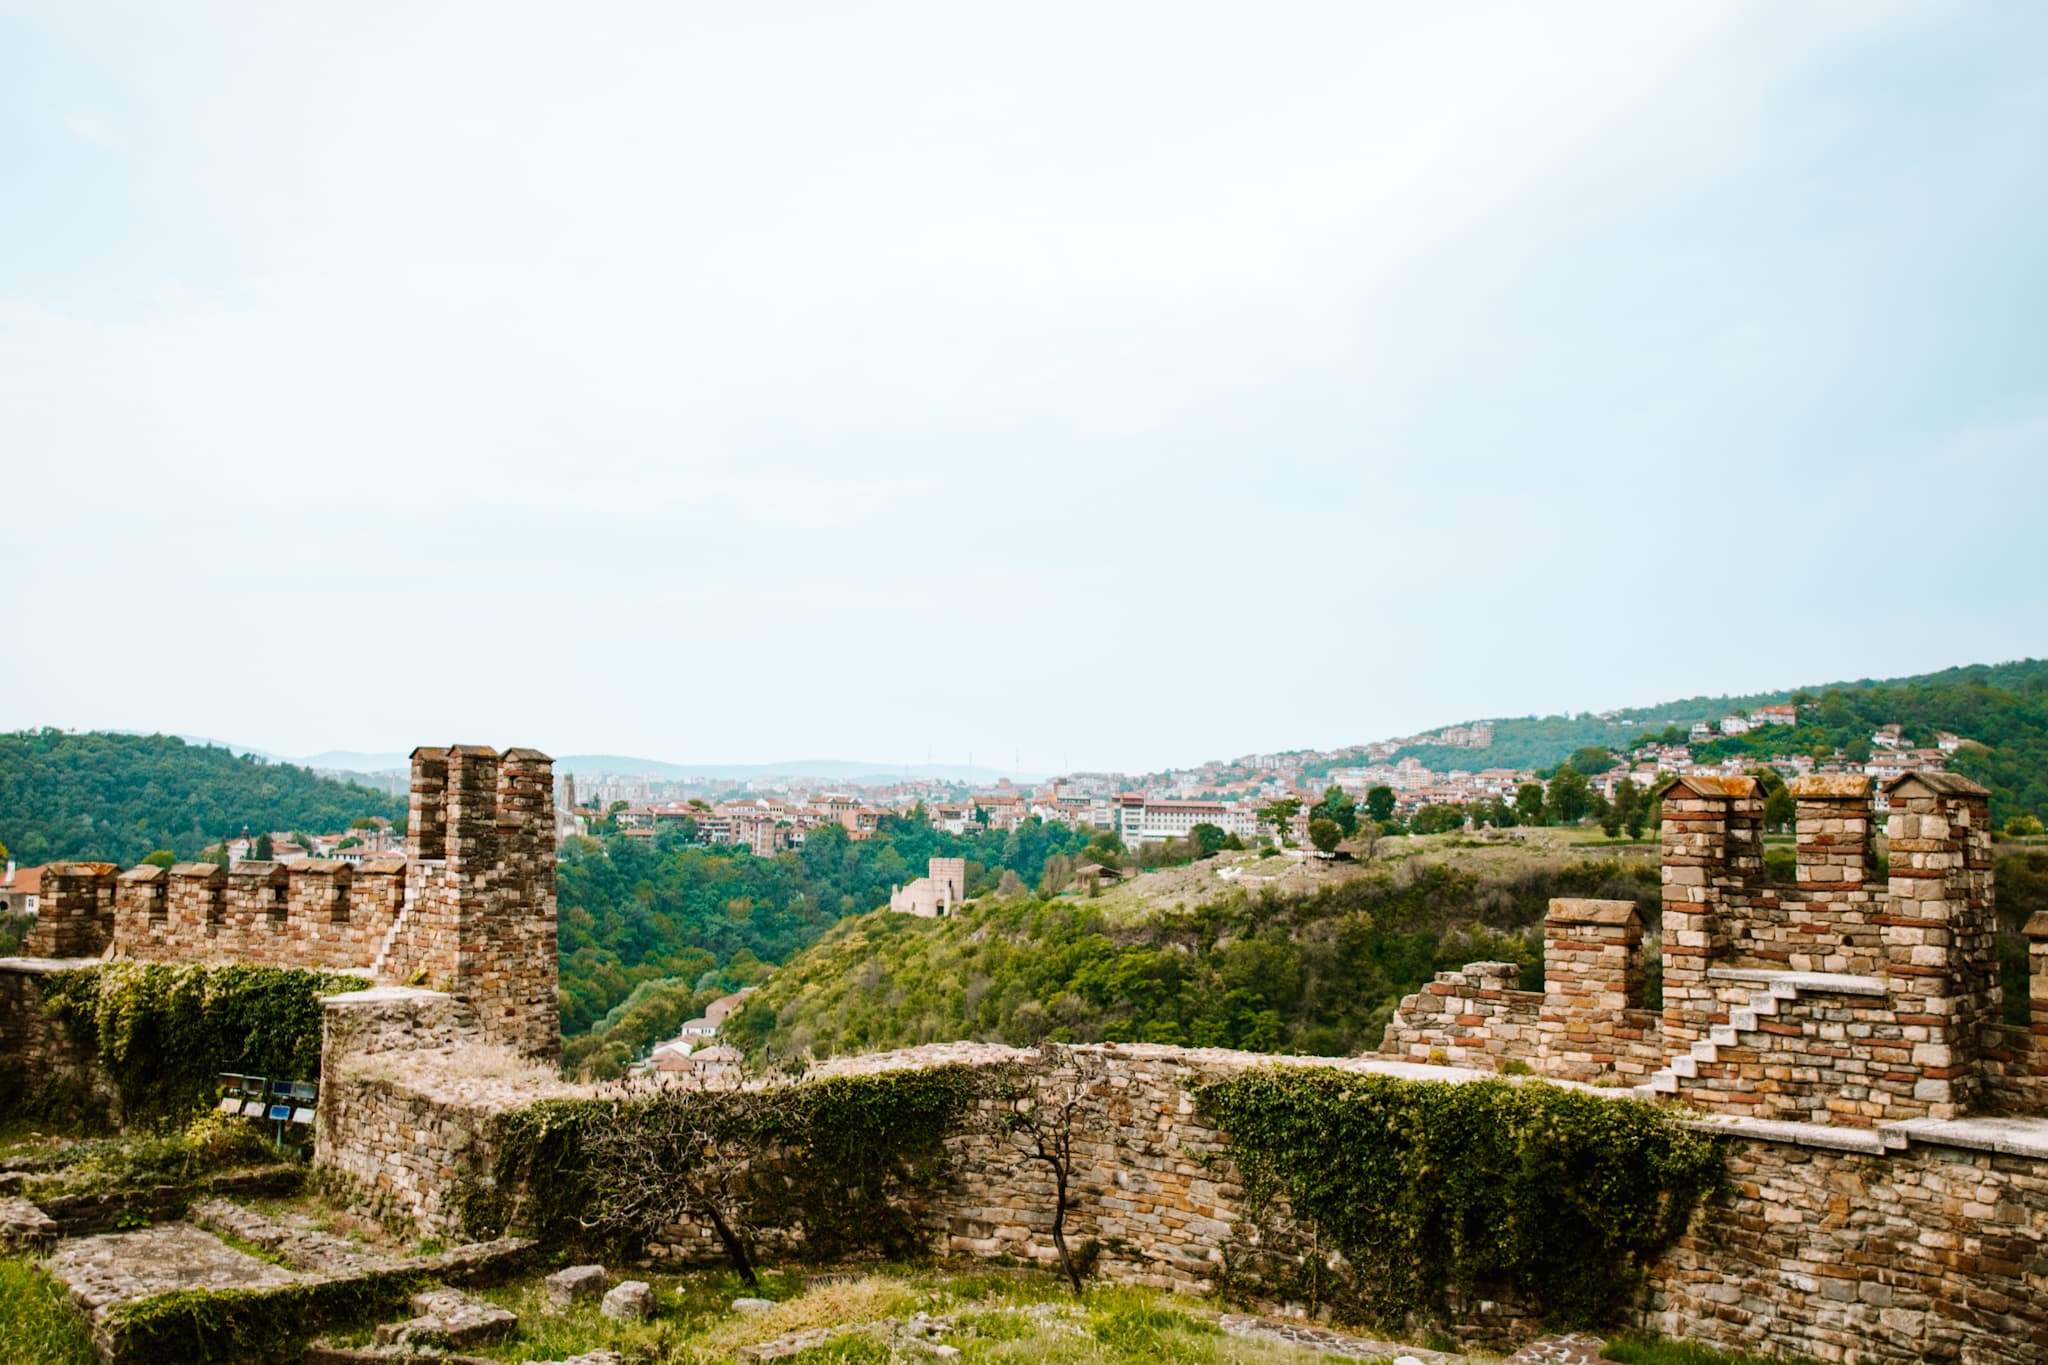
(1437, 1192)
(165, 1032)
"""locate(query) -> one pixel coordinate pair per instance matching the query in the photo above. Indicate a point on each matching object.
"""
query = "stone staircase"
(400, 922)
(1775, 990)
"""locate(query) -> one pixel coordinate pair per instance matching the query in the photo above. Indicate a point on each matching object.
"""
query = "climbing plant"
(827, 1160)
(1433, 1193)
(164, 1032)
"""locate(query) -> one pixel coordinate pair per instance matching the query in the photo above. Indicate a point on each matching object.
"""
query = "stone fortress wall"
(1840, 999)
(470, 911)
(1841, 1035)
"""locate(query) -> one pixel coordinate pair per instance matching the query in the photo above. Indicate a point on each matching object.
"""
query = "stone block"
(564, 1287)
(631, 1301)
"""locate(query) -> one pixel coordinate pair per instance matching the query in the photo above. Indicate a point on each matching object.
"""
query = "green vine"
(164, 1032)
(831, 1157)
(1433, 1193)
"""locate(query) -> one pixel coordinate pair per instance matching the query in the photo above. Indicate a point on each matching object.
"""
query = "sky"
(1064, 385)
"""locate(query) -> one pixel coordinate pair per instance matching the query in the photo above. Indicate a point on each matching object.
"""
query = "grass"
(38, 1325)
(995, 1316)
(1632, 1349)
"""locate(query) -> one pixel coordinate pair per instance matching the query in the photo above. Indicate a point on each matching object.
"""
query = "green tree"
(1628, 807)
(162, 857)
(1569, 797)
(1280, 815)
(1379, 804)
(1593, 759)
(1780, 810)
(1338, 808)
(262, 850)
(1529, 803)
(1438, 819)
(2023, 826)
(1325, 834)
(1208, 839)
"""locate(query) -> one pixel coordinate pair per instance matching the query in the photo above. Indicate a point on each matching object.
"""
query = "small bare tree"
(1042, 1108)
(667, 1155)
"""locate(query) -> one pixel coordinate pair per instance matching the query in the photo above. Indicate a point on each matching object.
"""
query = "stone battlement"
(470, 910)
(1840, 999)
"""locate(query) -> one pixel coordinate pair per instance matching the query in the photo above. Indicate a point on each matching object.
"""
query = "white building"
(1142, 820)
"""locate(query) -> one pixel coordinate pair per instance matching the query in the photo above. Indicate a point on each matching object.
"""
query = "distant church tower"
(569, 792)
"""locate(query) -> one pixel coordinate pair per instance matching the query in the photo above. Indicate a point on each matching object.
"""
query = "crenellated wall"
(1831, 1001)
(470, 911)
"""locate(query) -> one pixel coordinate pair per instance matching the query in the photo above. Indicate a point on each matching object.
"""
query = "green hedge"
(1435, 1193)
(164, 1032)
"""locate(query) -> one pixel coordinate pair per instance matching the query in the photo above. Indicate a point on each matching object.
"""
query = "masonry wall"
(1930, 1253)
(471, 911)
(1936, 1254)
(39, 1060)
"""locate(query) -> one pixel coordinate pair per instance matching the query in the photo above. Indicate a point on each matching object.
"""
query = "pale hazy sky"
(1105, 384)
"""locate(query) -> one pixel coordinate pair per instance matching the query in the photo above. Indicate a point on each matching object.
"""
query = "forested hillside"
(1317, 974)
(632, 913)
(118, 798)
(1953, 699)
(2005, 730)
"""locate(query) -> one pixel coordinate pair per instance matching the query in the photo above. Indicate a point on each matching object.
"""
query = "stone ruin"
(1840, 999)
(469, 911)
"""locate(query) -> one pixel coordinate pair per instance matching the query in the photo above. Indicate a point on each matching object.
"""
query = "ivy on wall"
(828, 1159)
(1433, 1193)
(164, 1031)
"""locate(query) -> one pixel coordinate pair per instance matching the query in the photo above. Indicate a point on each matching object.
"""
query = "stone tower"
(479, 917)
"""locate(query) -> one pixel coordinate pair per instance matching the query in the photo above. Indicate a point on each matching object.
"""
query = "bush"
(1437, 1192)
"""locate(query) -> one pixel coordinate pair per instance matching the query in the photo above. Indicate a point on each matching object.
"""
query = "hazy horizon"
(1080, 389)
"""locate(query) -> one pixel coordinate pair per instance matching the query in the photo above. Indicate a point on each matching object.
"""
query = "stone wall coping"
(146, 872)
(1830, 787)
(1824, 983)
(1570, 910)
(2002, 1136)
(81, 869)
(1941, 784)
(2008, 1137)
(2037, 926)
(1717, 788)
(1827, 1135)
(378, 995)
(43, 966)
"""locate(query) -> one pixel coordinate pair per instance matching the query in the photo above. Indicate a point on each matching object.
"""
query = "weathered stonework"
(471, 910)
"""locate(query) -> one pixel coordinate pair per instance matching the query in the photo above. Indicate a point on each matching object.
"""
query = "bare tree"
(1042, 1109)
(670, 1156)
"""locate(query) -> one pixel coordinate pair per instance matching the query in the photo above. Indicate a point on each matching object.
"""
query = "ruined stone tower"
(479, 914)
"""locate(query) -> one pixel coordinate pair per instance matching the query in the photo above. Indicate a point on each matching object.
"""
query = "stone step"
(1687, 1066)
(1664, 1083)
(1722, 1035)
(1742, 1020)
(1706, 1051)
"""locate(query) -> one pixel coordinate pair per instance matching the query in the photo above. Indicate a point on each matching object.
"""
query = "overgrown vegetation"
(164, 1032)
(211, 1142)
(1318, 973)
(635, 911)
(38, 1325)
(1436, 1194)
(267, 1325)
(116, 798)
(828, 1158)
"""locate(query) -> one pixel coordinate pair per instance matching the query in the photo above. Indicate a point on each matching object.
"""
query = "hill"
(1316, 972)
(1953, 698)
(117, 798)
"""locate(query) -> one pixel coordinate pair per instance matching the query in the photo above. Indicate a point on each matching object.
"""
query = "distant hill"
(116, 798)
(831, 769)
(1544, 741)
